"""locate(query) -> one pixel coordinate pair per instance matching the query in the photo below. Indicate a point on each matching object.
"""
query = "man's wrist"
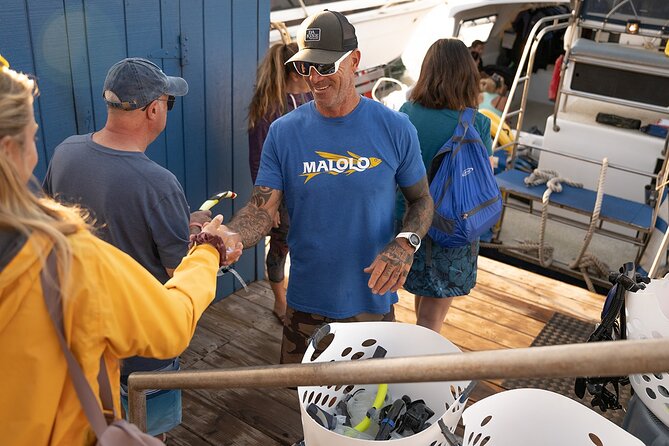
(210, 239)
(412, 239)
(404, 243)
(194, 227)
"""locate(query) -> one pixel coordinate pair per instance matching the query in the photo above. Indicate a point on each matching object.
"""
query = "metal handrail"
(530, 65)
(618, 65)
(530, 50)
(589, 160)
(616, 28)
(663, 181)
(610, 100)
(591, 359)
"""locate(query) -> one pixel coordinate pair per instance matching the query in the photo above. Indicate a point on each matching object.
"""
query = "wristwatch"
(412, 237)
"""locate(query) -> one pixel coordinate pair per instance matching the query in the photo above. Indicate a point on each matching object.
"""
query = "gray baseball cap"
(324, 38)
(134, 82)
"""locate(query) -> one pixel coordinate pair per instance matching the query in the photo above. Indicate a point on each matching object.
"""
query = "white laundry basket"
(532, 417)
(647, 313)
(359, 340)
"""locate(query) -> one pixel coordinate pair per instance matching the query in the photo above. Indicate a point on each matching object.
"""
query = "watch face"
(414, 239)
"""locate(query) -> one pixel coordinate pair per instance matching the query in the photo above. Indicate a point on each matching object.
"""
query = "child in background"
(493, 93)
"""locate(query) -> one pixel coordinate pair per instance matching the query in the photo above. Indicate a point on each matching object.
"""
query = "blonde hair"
(269, 96)
(16, 93)
(20, 209)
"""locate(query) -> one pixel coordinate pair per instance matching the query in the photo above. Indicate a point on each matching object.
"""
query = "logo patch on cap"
(313, 35)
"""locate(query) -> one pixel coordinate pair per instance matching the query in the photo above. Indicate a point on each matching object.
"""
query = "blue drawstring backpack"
(467, 201)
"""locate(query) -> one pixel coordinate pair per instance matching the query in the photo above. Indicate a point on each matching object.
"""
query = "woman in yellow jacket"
(111, 305)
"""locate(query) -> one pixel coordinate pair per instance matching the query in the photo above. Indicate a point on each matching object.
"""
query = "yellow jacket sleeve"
(137, 314)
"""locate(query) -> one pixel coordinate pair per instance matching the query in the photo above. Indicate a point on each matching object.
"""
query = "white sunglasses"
(324, 69)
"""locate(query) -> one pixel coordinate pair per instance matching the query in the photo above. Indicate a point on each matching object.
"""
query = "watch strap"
(407, 235)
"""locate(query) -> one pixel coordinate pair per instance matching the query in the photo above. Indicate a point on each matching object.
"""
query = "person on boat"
(493, 93)
(448, 83)
(278, 90)
(337, 162)
(113, 307)
(138, 205)
(476, 50)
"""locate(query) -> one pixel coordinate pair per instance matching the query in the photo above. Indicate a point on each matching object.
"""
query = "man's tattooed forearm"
(419, 216)
(252, 224)
(254, 221)
(261, 196)
(420, 208)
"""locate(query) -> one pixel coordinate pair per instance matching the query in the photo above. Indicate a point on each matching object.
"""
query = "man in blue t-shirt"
(337, 161)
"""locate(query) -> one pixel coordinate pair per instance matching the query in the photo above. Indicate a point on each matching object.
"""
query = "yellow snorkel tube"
(378, 402)
(381, 394)
(214, 199)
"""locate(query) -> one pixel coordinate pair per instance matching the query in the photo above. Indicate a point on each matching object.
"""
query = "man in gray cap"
(338, 161)
(137, 205)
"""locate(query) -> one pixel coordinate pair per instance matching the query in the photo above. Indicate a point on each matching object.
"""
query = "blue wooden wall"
(214, 44)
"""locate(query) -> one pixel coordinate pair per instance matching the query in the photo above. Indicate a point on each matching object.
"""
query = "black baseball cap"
(134, 83)
(324, 38)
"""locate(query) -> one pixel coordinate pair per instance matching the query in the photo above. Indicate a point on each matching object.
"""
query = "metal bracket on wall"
(183, 43)
(177, 52)
(165, 53)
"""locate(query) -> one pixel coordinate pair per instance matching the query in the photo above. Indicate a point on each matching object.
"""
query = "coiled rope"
(587, 264)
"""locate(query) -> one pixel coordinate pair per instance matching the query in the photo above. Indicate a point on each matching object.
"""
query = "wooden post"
(593, 359)
(137, 408)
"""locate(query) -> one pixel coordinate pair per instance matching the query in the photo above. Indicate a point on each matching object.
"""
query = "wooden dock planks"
(507, 309)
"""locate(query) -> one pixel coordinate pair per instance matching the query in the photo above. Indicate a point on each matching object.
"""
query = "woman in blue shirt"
(448, 83)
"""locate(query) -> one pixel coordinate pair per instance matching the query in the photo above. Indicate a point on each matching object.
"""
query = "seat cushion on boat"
(614, 209)
(614, 52)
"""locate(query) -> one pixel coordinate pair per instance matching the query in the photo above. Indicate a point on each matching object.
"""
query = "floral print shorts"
(451, 272)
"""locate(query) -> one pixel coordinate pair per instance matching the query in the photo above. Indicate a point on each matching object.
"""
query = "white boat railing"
(659, 189)
(526, 64)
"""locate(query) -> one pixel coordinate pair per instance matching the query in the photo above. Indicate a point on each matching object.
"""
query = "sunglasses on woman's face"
(324, 69)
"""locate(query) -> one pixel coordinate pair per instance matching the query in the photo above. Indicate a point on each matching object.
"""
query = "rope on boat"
(524, 246)
(553, 182)
(552, 179)
(583, 261)
(590, 264)
(586, 263)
